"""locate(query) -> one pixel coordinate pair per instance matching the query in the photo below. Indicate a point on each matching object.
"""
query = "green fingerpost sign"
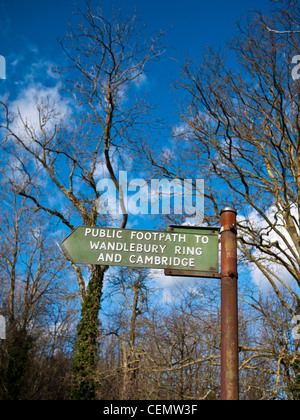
(192, 250)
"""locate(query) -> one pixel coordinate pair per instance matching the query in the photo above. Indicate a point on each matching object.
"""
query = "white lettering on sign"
(110, 258)
(140, 235)
(182, 250)
(204, 239)
(158, 236)
(138, 248)
(161, 260)
(104, 233)
(133, 247)
(179, 248)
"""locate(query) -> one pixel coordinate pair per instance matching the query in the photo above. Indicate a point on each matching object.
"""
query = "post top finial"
(228, 208)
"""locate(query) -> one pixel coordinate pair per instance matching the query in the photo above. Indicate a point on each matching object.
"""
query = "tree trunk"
(84, 382)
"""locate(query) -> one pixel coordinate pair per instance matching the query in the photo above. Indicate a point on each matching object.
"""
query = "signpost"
(209, 264)
(192, 250)
(229, 307)
(180, 251)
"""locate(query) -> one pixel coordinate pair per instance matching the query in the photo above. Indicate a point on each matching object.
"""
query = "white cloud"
(171, 287)
(140, 80)
(270, 236)
(38, 104)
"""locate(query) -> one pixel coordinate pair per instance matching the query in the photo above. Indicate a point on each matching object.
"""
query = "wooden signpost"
(179, 251)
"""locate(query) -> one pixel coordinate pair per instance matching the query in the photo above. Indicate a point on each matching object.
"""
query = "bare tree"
(131, 285)
(107, 58)
(287, 23)
(32, 269)
(243, 126)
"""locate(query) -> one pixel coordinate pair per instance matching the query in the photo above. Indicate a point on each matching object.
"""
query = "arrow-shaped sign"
(184, 249)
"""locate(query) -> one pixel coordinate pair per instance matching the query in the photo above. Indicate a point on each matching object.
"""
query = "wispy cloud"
(38, 104)
(273, 239)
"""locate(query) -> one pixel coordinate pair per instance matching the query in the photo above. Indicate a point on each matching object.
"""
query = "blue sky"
(30, 30)
(192, 23)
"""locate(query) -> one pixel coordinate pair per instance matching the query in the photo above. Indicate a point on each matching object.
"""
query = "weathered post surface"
(229, 306)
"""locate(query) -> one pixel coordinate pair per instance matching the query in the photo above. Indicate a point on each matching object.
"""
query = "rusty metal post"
(229, 306)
